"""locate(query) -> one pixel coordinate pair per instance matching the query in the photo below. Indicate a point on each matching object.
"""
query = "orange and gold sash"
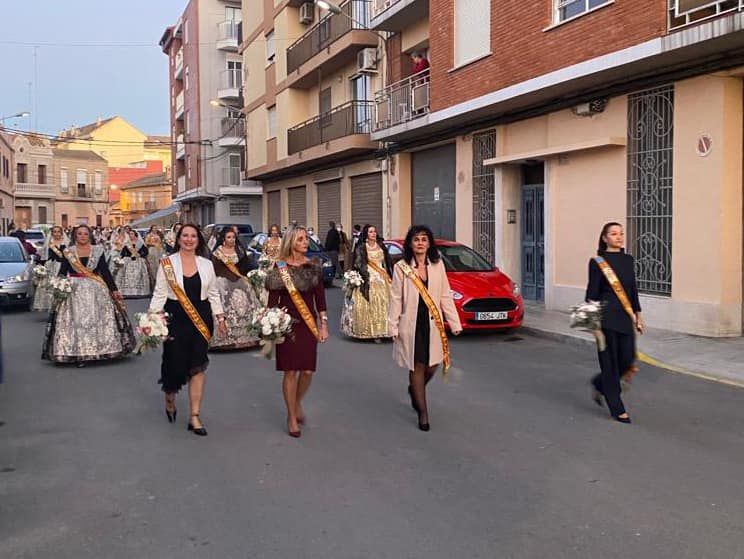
(297, 299)
(616, 286)
(55, 250)
(379, 270)
(433, 309)
(84, 271)
(183, 300)
(229, 265)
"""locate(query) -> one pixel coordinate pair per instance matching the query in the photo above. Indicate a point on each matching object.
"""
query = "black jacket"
(333, 240)
(614, 316)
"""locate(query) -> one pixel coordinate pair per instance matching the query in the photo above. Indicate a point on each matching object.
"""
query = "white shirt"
(209, 290)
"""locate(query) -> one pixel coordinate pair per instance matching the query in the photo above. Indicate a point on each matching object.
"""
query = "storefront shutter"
(329, 206)
(366, 200)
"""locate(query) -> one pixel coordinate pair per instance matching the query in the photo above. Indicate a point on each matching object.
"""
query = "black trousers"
(617, 357)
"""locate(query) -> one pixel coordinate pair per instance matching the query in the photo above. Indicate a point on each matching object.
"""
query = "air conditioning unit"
(307, 13)
(367, 60)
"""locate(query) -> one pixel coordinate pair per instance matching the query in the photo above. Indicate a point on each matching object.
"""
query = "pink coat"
(404, 298)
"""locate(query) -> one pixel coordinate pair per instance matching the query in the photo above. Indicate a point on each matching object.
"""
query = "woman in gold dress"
(273, 243)
(365, 313)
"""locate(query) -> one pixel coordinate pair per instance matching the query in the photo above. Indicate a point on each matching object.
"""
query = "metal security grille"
(484, 225)
(650, 173)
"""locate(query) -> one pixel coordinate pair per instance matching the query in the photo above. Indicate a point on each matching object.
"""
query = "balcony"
(229, 35)
(231, 82)
(396, 15)
(233, 132)
(402, 101)
(230, 177)
(688, 12)
(34, 190)
(348, 119)
(178, 69)
(330, 44)
(151, 205)
(179, 106)
(180, 147)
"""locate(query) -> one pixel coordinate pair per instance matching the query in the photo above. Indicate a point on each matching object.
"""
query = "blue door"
(533, 242)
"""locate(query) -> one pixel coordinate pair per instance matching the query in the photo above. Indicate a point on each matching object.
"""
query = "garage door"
(298, 205)
(329, 206)
(366, 200)
(434, 190)
(275, 209)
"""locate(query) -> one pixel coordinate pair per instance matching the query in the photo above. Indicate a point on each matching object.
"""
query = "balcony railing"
(179, 105)
(151, 205)
(231, 80)
(229, 35)
(328, 30)
(402, 101)
(230, 176)
(180, 147)
(34, 188)
(379, 6)
(233, 127)
(178, 70)
(686, 12)
(354, 117)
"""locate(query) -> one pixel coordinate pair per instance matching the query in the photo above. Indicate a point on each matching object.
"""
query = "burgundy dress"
(299, 352)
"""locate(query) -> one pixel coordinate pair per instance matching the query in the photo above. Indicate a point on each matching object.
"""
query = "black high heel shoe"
(424, 426)
(171, 415)
(625, 420)
(201, 431)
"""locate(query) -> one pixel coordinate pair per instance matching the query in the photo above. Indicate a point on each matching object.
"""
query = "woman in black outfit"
(617, 326)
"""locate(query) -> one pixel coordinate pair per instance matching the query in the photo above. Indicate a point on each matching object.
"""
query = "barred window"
(649, 193)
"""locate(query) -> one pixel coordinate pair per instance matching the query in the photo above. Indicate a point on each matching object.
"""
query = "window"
(649, 192)
(42, 177)
(270, 47)
(22, 172)
(186, 78)
(566, 9)
(99, 182)
(325, 101)
(187, 127)
(42, 213)
(81, 182)
(186, 32)
(233, 14)
(271, 122)
(188, 167)
(63, 185)
(472, 30)
(234, 74)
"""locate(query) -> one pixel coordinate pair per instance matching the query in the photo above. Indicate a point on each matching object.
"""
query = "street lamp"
(328, 6)
(17, 115)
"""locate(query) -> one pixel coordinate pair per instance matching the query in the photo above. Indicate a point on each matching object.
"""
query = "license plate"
(491, 315)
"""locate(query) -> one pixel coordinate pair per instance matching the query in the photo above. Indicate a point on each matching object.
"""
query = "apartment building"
(35, 189)
(534, 126)
(7, 165)
(82, 188)
(311, 76)
(144, 196)
(207, 125)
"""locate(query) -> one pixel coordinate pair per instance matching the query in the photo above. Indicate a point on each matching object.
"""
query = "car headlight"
(515, 290)
(327, 264)
(15, 279)
(456, 295)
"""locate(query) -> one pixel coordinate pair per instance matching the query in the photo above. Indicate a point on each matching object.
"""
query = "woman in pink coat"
(420, 301)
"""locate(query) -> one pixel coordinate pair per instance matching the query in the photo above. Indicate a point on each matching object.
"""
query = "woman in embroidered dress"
(418, 345)
(365, 315)
(185, 357)
(132, 275)
(617, 360)
(273, 244)
(238, 296)
(92, 323)
(155, 251)
(51, 258)
(297, 357)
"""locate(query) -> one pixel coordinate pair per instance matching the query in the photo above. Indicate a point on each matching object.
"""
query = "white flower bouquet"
(271, 326)
(352, 280)
(117, 262)
(264, 262)
(41, 274)
(257, 279)
(588, 316)
(152, 330)
(60, 288)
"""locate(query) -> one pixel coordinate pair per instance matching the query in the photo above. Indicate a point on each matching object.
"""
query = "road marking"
(644, 358)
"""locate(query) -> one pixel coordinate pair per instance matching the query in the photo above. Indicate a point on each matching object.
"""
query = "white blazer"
(208, 278)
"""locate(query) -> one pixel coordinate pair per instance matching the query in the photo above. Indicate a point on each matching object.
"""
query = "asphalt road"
(519, 462)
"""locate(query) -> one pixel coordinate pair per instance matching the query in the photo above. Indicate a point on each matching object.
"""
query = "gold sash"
(379, 270)
(297, 299)
(55, 250)
(183, 300)
(90, 274)
(230, 265)
(433, 309)
(616, 286)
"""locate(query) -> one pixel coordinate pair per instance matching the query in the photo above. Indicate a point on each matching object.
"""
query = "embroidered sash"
(380, 271)
(433, 309)
(55, 250)
(616, 286)
(297, 299)
(87, 273)
(230, 265)
(183, 300)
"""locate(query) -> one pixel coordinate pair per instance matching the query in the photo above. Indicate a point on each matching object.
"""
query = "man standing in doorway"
(332, 243)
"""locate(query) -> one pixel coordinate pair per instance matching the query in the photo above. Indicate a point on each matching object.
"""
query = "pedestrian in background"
(612, 281)
(420, 302)
(296, 283)
(344, 250)
(273, 243)
(332, 245)
(186, 289)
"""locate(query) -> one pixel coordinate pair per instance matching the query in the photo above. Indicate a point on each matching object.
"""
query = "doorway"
(434, 173)
(533, 232)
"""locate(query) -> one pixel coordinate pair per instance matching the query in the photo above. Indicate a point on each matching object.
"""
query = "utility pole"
(36, 89)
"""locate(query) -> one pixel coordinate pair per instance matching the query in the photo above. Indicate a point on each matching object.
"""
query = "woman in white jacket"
(186, 289)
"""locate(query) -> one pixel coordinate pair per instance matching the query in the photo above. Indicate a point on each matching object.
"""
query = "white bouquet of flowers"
(271, 326)
(588, 316)
(117, 262)
(257, 279)
(264, 262)
(152, 330)
(60, 288)
(352, 280)
(41, 274)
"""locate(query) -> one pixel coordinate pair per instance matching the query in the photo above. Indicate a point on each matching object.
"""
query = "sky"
(78, 84)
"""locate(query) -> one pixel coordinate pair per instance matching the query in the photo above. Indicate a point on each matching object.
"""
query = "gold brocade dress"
(369, 319)
(271, 248)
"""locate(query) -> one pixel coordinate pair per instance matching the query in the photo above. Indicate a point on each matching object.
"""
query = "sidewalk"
(718, 359)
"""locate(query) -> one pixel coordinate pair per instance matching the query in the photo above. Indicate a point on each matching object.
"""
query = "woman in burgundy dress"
(297, 357)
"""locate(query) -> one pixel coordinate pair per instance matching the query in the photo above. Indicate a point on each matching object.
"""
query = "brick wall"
(522, 50)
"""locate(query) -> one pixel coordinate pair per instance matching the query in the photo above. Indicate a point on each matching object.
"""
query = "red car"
(485, 297)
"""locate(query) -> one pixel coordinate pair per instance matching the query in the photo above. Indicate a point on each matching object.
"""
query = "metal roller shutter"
(329, 206)
(366, 200)
(298, 205)
(275, 209)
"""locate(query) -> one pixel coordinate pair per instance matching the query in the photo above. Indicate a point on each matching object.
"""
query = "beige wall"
(415, 36)
(257, 132)
(400, 192)
(254, 65)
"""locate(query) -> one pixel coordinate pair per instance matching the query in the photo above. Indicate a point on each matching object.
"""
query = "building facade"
(207, 125)
(7, 188)
(145, 196)
(122, 176)
(82, 187)
(535, 127)
(35, 189)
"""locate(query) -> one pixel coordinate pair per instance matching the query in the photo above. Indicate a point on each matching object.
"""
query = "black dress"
(185, 352)
(423, 329)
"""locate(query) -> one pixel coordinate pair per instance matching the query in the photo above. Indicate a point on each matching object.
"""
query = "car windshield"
(459, 258)
(34, 235)
(259, 240)
(11, 252)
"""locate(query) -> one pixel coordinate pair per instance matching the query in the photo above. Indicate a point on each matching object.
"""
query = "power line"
(122, 45)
